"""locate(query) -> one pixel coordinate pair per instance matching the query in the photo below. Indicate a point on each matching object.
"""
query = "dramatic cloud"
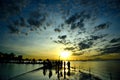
(74, 17)
(62, 37)
(101, 26)
(73, 26)
(24, 25)
(57, 30)
(8, 8)
(70, 48)
(37, 19)
(115, 40)
(13, 29)
(77, 20)
(78, 54)
(96, 37)
(79, 25)
(22, 22)
(33, 22)
(64, 42)
(112, 49)
(85, 45)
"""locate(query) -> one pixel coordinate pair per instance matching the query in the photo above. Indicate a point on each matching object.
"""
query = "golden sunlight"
(64, 54)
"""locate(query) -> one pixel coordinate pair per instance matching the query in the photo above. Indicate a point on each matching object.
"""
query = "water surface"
(102, 69)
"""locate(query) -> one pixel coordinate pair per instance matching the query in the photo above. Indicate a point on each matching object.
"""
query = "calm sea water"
(102, 69)
(10, 70)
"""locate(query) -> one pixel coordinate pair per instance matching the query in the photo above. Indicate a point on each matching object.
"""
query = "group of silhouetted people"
(58, 66)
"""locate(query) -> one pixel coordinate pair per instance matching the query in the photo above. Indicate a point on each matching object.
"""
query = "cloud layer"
(77, 24)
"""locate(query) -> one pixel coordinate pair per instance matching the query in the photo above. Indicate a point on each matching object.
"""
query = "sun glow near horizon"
(65, 55)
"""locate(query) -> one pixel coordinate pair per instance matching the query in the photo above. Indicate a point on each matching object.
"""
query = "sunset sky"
(87, 29)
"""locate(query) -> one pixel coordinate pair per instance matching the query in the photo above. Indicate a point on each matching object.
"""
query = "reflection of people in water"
(44, 68)
(68, 64)
(50, 73)
(44, 71)
(47, 65)
(64, 70)
(58, 66)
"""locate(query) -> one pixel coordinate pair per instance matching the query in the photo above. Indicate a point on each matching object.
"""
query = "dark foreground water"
(102, 69)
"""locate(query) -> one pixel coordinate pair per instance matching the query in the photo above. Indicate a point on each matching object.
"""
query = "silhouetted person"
(68, 64)
(44, 68)
(58, 75)
(49, 64)
(68, 73)
(50, 73)
(61, 63)
(44, 71)
(57, 64)
(44, 64)
(61, 74)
